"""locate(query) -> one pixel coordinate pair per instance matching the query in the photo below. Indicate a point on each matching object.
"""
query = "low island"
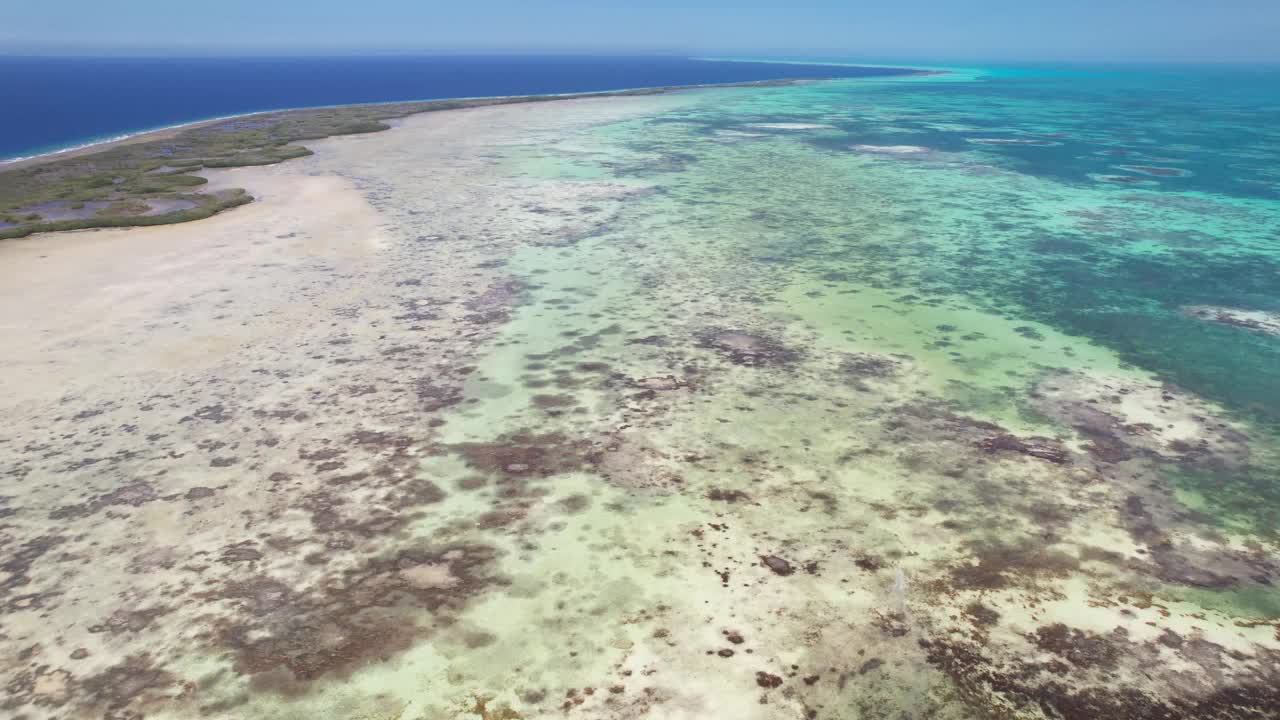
(152, 179)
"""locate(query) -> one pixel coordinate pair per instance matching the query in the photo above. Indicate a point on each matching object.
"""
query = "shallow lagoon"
(714, 404)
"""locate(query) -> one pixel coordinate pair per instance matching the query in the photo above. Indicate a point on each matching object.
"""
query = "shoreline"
(159, 132)
(73, 182)
(118, 140)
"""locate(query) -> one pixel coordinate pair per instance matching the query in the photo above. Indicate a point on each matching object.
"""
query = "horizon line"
(817, 59)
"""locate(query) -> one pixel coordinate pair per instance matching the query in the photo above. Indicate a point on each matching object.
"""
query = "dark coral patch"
(240, 552)
(131, 621)
(284, 637)
(1082, 649)
(123, 691)
(501, 518)
(210, 413)
(132, 495)
(1001, 565)
(199, 493)
(1155, 171)
(863, 365)
(1036, 447)
(575, 503)
(870, 563)
(729, 496)
(938, 419)
(16, 567)
(777, 565)
(658, 383)
(328, 516)
(981, 615)
(767, 680)
(528, 454)
(375, 440)
(1039, 688)
(553, 402)
(1169, 562)
(413, 493)
(494, 305)
(435, 396)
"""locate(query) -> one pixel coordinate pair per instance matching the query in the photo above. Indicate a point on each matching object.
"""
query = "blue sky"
(904, 29)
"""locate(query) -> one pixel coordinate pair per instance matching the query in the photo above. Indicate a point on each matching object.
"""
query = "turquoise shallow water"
(1202, 230)
(1026, 320)
(1102, 202)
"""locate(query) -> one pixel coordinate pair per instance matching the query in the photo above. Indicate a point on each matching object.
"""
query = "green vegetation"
(265, 156)
(125, 214)
(118, 185)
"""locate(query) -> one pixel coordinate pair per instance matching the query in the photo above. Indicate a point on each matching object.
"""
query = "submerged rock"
(767, 680)
(777, 565)
(1042, 448)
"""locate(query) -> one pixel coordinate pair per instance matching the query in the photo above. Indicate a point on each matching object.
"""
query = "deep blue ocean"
(55, 103)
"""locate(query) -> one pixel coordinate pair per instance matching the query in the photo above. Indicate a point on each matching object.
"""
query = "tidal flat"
(827, 400)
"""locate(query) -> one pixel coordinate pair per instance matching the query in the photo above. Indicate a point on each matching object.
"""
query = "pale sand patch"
(788, 126)
(429, 575)
(1261, 321)
(1159, 418)
(892, 149)
(1013, 141)
(78, 307)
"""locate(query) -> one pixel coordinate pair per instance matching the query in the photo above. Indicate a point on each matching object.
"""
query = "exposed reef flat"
(562, 410)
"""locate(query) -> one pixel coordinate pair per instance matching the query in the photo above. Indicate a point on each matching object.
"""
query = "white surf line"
(252, 113)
